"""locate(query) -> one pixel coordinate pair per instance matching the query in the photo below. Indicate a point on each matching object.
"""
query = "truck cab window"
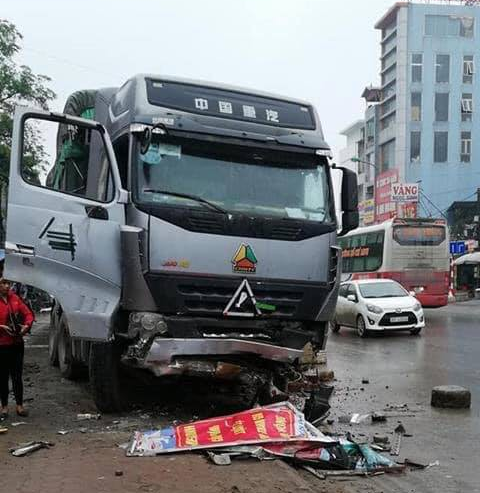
(67, 158)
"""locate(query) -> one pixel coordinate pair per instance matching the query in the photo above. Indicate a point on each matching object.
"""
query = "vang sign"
(404, 192)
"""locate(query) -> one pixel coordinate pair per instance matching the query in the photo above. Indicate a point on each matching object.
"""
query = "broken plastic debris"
(355, 418)
(19, 423)
(220, 459)
(88, 416)
(62, 432)
(29, 448)
(3, 430)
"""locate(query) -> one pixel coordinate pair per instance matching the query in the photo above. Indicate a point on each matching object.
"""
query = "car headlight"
(417, 307)
(374, 309)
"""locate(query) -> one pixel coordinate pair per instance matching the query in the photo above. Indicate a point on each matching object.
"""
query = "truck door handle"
(96, 212)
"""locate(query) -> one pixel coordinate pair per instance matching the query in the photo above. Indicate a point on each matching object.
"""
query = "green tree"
(19, 85)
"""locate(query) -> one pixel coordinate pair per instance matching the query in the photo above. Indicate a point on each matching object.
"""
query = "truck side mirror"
(349, 201)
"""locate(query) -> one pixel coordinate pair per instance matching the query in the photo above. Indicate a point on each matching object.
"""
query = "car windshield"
(233, 178)
(382, 290)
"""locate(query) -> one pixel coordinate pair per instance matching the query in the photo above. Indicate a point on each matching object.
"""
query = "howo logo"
(244, 260)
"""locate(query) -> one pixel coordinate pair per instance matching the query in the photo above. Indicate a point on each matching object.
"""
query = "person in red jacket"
(15, 321)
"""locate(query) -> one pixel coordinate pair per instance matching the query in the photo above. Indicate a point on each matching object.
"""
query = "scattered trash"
(451, 396)
(355, 418)
(19, 423)
(88, 416)
(365, 381)
(397, 439)
(220, 459)
(414, 464)
(432, 464)
(378, 418)
(381, 439)
(62, 432)
(267, 432)
(29, 448)
(118, 473)
(123, 446)
(3, 430)
(83, 430)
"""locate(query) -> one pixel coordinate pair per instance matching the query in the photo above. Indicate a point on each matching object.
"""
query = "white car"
(377, 305)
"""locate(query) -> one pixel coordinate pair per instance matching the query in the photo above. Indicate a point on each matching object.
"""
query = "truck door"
(65, 211)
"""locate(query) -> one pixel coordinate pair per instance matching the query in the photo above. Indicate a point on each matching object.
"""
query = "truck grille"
(213, 299)
(386, 320)
(208, 296)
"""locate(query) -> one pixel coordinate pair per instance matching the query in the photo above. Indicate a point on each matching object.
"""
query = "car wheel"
(415, 331)
(334, 326)
(361, 327)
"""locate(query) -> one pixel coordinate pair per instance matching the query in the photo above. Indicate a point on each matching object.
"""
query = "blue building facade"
(444, 143)
(430, 107)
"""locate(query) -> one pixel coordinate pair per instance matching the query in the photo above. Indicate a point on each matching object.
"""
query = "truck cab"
(183, 228)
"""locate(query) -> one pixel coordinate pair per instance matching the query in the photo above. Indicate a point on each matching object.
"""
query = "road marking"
(36, 346)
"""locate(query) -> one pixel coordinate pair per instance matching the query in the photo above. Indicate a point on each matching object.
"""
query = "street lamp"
(355, 159)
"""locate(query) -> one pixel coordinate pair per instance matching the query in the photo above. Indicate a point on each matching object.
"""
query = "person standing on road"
(15, 322)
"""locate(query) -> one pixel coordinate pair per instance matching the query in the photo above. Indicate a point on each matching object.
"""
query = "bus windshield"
(232, 178)
(419, 235)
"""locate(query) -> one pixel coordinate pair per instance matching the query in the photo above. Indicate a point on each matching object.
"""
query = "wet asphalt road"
(402, 369)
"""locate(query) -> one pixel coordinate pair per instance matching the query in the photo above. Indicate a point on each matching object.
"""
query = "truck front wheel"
(69, 367)
(104, 370)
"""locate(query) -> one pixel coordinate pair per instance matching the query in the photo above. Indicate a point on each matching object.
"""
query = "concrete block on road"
(451, 396)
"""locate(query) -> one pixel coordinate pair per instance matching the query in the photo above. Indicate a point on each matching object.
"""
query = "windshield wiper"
(195, 198)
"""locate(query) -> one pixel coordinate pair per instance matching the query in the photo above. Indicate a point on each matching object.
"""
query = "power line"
(65, 61)
(425, 196)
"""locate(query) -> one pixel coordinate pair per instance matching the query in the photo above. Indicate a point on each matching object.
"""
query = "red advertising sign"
(251, 426)
(385, 207)
(275, 423)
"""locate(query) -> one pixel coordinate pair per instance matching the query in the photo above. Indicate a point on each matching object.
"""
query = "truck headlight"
(374, 309)
(417, 307)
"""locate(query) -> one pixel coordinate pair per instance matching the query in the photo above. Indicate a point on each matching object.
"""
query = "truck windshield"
(179, 172)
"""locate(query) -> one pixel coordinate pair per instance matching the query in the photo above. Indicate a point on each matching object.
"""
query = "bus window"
(419, 235)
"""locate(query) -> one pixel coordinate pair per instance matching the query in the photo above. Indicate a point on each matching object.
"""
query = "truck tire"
(69, 368)
(105, 380)
(53, 340)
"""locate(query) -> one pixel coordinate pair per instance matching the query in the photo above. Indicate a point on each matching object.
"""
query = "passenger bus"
(414, 252)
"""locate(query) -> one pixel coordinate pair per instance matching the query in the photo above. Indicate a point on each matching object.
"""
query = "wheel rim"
(361, 326)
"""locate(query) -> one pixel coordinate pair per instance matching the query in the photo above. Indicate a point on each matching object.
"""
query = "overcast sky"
(324, 51)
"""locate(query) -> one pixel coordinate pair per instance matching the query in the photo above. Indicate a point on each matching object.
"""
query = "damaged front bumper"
(162, 358)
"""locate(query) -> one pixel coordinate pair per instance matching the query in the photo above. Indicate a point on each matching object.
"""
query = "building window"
(442, 68)
(440, 147)
(416, 106)
(387, 155)
(467, 107)
(468, 69)
(449, 25)
(441, 106)
(465, 147)
(417, 64)
(360, 192)
(370, 192)
(370, 130)
(415, 138)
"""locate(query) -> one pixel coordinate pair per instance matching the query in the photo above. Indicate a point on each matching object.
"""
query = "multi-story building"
(425, 123)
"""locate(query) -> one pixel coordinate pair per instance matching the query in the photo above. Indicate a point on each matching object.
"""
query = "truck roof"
(118, 108)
